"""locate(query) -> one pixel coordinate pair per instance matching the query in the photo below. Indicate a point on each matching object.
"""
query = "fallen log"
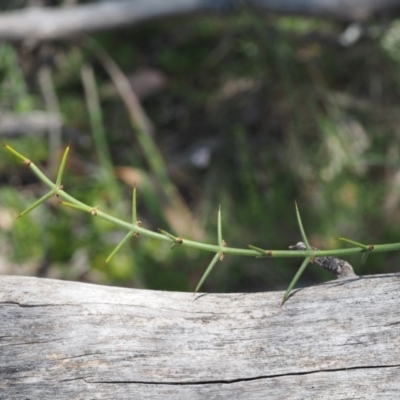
(69, 340)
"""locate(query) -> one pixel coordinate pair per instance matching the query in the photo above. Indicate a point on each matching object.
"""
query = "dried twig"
(342, 269)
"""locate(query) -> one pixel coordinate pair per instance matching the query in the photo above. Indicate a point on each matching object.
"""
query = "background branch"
(56, 23)
(34, 122)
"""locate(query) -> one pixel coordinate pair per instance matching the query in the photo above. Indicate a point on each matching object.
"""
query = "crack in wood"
(231, 381)
(15, 303)
(35, 342)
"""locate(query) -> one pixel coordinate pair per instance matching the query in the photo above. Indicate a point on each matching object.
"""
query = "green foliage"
(23, 239)
(13, 88)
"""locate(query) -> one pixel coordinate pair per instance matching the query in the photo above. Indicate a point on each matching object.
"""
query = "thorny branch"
(342, 269)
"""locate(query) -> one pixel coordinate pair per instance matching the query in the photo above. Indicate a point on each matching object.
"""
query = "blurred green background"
(248, 111)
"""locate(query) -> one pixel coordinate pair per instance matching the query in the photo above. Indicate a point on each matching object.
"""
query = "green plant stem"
(198, 245)
(205, 246)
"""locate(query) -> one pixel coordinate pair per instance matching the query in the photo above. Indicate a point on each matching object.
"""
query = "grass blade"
(134, 208)
(208, 270)
(220, 241)
(296, 278)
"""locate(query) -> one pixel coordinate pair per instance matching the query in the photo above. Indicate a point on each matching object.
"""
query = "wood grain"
(68, 340)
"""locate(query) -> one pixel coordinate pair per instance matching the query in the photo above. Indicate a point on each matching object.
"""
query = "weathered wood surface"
(62, 22)
(68, 340)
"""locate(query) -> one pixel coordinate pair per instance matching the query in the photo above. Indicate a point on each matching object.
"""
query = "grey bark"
(55, 23)
(68, 340)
